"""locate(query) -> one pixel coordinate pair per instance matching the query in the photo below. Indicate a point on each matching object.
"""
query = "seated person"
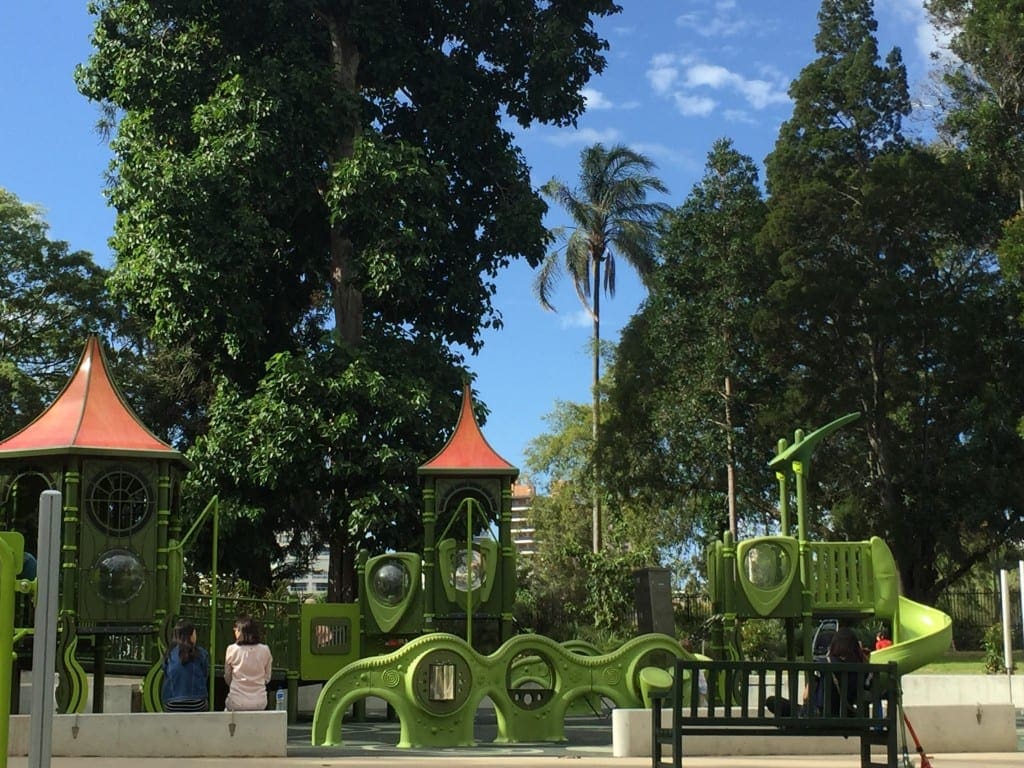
(845, 647)
(186, 672)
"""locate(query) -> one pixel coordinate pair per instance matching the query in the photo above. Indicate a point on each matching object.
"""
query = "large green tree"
(566, 589)
(886, 306)
(689, 376)
(51, 298)
(287, 171)
(984, 98)
(612, 218)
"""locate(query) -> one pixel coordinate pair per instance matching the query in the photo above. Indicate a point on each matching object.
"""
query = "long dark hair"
(182, 640)
(845, 646)
(248, 631)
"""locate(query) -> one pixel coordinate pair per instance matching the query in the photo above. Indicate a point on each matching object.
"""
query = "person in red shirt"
(882, 639)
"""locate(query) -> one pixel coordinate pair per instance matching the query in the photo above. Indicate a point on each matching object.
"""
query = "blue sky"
(680, 74)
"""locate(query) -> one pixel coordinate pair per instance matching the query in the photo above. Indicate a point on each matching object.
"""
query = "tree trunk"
(347, 299)
(596, 410)
(730, 450)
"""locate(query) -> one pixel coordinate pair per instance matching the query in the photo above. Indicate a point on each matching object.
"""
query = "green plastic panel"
(392, 586)
(330, 639)
(436, 682)
(769, 569)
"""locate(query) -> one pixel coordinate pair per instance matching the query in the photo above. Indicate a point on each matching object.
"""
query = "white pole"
(44, 643)
(1020, 572)
(1004, 594)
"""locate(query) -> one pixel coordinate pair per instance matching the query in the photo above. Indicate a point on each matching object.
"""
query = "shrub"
(763, 639)
(992, 645)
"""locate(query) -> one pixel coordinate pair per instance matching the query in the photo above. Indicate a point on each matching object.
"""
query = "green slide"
(921, 634)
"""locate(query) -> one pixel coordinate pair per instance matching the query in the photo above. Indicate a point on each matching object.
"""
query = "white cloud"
(578, 319)
(595, 99)
(738, 116)
(927, 39)
(583, 136)
(663, 73)
(694, 106)
(710, 75)
(720, 23)
(757, 93)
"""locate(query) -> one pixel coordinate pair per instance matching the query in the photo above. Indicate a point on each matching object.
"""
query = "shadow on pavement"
(591, 736)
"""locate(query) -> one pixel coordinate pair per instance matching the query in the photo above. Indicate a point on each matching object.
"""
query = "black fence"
(974, 611)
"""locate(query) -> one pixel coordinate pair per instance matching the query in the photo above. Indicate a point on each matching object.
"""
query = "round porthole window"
(390, 582)
(119, 502)
(118, 575)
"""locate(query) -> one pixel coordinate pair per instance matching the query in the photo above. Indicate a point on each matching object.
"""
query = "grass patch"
(963, 663)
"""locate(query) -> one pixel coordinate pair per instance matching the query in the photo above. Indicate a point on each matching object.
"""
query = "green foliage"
(51, 298)
(992, 646)
(611, 217)
(689, 378)
(889, 305)
(298, 441)
(288, 177)
(575, 592)
(763, 639)
(983, 106)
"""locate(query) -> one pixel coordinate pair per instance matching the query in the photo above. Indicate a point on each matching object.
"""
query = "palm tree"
(611, 216)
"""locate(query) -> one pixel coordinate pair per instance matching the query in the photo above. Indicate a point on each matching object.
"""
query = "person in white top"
(247, 667)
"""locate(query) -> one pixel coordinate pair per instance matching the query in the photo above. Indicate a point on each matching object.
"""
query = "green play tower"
(120, 487)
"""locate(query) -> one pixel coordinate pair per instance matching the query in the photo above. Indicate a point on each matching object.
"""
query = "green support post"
(429, 557)
(783, 495)
(8, 571)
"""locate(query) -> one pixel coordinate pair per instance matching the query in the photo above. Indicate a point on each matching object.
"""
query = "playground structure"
(796, 580)
(431, 633)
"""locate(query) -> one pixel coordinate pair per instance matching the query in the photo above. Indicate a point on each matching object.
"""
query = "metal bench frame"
(862, 702)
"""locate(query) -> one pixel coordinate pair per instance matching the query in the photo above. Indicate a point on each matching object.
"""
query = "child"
(882, 639)
(186, 672)
(247, 667)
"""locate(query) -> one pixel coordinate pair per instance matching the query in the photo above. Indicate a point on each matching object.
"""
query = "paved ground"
(371, 745)
(458, 760)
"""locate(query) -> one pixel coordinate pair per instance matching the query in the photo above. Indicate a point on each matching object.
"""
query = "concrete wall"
(963, 689)
(955, 728)
(202, 734)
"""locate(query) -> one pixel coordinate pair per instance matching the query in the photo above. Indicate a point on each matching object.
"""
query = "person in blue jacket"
(186, 672)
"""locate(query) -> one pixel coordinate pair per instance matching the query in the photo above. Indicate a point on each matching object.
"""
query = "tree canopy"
(51, 298)
(289, 180)
(689, 376)
(886, 305)
(612, 218)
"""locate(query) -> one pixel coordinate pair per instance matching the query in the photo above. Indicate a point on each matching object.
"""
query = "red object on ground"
(925, 762)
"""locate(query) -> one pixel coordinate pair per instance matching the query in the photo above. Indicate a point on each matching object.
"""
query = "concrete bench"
(178, 734)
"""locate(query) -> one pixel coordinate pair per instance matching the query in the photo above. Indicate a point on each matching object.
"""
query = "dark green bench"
(858, 701)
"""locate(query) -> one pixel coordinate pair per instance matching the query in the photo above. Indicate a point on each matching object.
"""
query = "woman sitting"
(247, 668)
(186, 672)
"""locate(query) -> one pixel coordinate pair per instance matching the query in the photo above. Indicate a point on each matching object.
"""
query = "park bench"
(859, 700)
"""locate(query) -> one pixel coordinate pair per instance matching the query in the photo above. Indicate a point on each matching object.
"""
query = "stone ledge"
(954, 728)
(179, 734)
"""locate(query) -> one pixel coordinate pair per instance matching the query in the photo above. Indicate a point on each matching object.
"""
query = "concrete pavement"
(457, 760)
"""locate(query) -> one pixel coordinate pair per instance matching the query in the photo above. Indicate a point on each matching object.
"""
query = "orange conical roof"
(89, 416)
(467, 451)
